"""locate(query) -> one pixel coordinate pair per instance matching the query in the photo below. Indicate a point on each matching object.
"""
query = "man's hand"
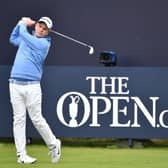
(27, 21)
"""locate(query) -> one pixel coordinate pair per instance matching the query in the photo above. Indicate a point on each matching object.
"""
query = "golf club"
(91, 49)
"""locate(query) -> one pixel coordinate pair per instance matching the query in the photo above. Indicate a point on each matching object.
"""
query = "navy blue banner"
(86, 101)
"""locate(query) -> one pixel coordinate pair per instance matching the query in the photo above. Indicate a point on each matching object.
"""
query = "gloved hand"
(27, 21)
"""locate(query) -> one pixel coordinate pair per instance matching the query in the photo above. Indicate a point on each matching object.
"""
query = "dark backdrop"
(135, 29)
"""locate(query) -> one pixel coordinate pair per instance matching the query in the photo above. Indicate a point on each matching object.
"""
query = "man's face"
(41, 29)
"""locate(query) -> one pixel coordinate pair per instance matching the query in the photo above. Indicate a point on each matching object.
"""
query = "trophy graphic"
(73, 110)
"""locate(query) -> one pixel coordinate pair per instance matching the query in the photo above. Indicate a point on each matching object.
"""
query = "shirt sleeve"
(15, 37)
(32, 41)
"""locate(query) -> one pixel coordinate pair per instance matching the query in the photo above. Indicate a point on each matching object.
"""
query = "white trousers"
(28, 98)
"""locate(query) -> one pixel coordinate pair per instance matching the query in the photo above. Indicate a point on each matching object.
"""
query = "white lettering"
(150, 117)
(161, 119)
(95, 111)
(116, 111)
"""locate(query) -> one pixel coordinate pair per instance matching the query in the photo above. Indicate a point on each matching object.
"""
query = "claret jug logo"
(114, 94)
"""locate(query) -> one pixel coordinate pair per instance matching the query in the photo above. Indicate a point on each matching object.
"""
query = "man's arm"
(15, 37)
(32, 41)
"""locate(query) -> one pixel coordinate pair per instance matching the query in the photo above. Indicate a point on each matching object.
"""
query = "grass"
(88, 157)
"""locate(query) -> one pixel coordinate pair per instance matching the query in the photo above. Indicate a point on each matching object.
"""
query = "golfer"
(24, 85)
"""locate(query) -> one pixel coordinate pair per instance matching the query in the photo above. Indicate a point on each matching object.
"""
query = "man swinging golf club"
(24, 85)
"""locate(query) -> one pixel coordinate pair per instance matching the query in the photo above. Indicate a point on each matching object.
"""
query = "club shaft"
(70, 38)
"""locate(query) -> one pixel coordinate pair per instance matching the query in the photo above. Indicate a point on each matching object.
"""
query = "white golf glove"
(27, 21)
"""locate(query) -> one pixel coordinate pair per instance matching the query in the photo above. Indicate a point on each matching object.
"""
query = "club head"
(91, 51)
